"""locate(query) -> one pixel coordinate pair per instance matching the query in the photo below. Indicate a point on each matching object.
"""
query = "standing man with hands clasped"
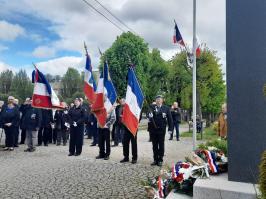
(77, 118)
(159, 115)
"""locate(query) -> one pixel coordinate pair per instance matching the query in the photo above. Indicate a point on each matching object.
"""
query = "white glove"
(67, 125)
(170, 132)
(75, 124)
(91, 123)
(150, 115)
(52, 125)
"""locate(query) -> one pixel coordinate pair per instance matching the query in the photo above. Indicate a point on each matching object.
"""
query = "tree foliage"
(71, 83)
(21, 85)
(6, 81)
(128, 48)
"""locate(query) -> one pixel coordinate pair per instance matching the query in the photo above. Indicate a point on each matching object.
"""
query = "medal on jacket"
(33, 116)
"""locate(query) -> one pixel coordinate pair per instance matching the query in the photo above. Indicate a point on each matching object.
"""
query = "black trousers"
(10, 136)
(54, 132)
(158, 145)
(23, 136)
(61, 135)
(43, 135)
(16, 136)
(76, 139)
(128, 136)
(104, 142)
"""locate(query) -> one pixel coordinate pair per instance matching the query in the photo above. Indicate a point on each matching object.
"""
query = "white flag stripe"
(132, 102)
(40, 89)
(54, 99)
(100, 86)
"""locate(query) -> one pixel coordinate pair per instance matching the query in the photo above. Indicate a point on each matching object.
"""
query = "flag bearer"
(104, 136)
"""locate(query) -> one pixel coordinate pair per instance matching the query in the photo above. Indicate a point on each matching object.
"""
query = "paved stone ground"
(50, 173)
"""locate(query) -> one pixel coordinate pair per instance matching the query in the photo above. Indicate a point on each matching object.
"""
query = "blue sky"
(51, 33)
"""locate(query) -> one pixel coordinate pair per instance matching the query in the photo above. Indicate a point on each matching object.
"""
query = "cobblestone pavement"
(50, 173)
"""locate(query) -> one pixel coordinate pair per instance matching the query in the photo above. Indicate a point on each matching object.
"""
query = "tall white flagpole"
(194, 78)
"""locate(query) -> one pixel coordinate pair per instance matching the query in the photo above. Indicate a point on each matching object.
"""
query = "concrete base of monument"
(218, 187)
(173, 195)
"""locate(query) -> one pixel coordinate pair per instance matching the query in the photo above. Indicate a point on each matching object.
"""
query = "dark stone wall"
(246, 76)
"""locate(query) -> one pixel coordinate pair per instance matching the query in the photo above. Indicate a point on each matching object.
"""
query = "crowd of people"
(38, 127)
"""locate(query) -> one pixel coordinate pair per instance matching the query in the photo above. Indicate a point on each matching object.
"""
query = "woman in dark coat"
(77, 118)
(10, 122)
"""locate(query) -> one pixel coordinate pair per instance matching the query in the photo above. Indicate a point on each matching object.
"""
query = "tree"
(6, 78)
(21, 86)
(71, 83)
(157, 76)
(128, 48)
(210, 83)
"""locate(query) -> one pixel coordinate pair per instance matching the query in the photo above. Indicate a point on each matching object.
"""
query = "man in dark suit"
(160, 116)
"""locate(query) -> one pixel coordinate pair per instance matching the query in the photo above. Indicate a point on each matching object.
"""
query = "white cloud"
(60, 65)
(3, 66)
(10, 32)
(43, 52)
(74, 22)
(3, 48)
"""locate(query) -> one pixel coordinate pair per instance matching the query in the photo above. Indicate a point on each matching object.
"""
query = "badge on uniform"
(33, 116)
(164, 115)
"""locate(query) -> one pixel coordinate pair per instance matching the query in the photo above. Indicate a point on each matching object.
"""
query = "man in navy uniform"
(159, 116)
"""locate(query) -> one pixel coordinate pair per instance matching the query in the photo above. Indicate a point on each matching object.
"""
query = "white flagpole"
(194, 78)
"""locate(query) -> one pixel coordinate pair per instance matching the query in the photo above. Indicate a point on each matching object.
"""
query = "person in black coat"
(45, 132)
(31, 122)
(176, 115)
(77, 118)
(10, 122)
(22, 110)
(61, 119)
(92, 128)
(159, 115)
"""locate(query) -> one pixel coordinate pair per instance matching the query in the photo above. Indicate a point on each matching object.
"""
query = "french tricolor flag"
(89, 82)
(105, 97)
(43, 94)
(177, 38)
(133, 103)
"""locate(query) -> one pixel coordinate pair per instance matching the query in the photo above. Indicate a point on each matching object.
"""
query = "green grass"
(207, 134)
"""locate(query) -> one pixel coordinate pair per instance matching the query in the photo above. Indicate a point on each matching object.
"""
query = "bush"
(214, 126)
(219, 144)
(262, 177)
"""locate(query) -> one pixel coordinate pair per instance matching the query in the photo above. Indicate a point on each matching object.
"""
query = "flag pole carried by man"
(43, 94)
(103, 108)
(89, 82)
(131, 115)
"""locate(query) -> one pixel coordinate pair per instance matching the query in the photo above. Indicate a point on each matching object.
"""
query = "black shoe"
(177, 139)
(45, 144)
(70, 154)
(32, 149)
(93, 144)
(77, 154)
(63, 144)
(114, 145)
(154, 163)
(58, 144)
(170, 138)
(106, 157)
(99, 157)
(124, 160)
(16, 146)
(54, 142)
(39, 144)
(21, 143)
(160, 164)
(27, 150)
(134, 161)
